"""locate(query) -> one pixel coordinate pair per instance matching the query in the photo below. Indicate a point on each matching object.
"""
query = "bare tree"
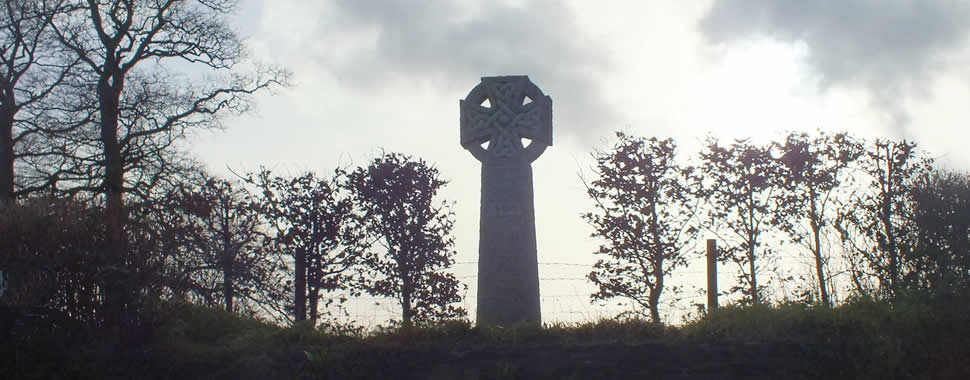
(740, 183)
(643, 216)
(143, 109)
(31, 68)
(313, 221)
(812, 170)
(879, 225)
(225, 236)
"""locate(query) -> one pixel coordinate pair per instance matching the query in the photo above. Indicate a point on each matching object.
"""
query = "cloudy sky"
(387, 75)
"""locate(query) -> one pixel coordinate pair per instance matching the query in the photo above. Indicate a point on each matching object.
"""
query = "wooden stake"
(711, 275)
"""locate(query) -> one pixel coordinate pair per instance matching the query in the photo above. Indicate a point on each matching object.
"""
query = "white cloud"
(370, 45)
(894, 48)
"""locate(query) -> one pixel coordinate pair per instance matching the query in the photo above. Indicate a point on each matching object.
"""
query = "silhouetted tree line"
(874, 212)
(103, 213)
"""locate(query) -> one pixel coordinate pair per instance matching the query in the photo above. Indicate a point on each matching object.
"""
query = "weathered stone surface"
(506, 123)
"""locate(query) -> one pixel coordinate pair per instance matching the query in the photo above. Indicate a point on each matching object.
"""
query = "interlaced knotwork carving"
(507, 119)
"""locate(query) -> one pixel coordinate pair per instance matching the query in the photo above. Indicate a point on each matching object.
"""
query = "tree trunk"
(820, 270)
(314, 302)
(890, 242)
(227, 261)
(755, 297)
(406, 312)
(817, 251)
(116, 279)
(313, 292)
(656, 291)
(752, 245)
(6, 157)
(886, 214)
(299, 285)
(406, 289)
(658, 264)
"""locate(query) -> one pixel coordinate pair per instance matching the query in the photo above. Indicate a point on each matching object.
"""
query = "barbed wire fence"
(565, 291)
(564, 295)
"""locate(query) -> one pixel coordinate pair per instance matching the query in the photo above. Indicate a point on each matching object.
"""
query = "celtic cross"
(506, 123)
(502, 111)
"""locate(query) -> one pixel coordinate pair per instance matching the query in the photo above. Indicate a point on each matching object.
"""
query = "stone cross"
(506, 123)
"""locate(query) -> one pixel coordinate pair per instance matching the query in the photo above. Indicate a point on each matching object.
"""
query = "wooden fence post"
(711, 275)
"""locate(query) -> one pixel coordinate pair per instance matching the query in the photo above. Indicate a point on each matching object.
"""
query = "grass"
(867, 338)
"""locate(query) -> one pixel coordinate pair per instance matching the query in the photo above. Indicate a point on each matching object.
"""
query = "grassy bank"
(861, 339)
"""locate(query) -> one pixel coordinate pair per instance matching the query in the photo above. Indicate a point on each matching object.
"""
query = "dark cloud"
(454, 43)
(892, 47)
